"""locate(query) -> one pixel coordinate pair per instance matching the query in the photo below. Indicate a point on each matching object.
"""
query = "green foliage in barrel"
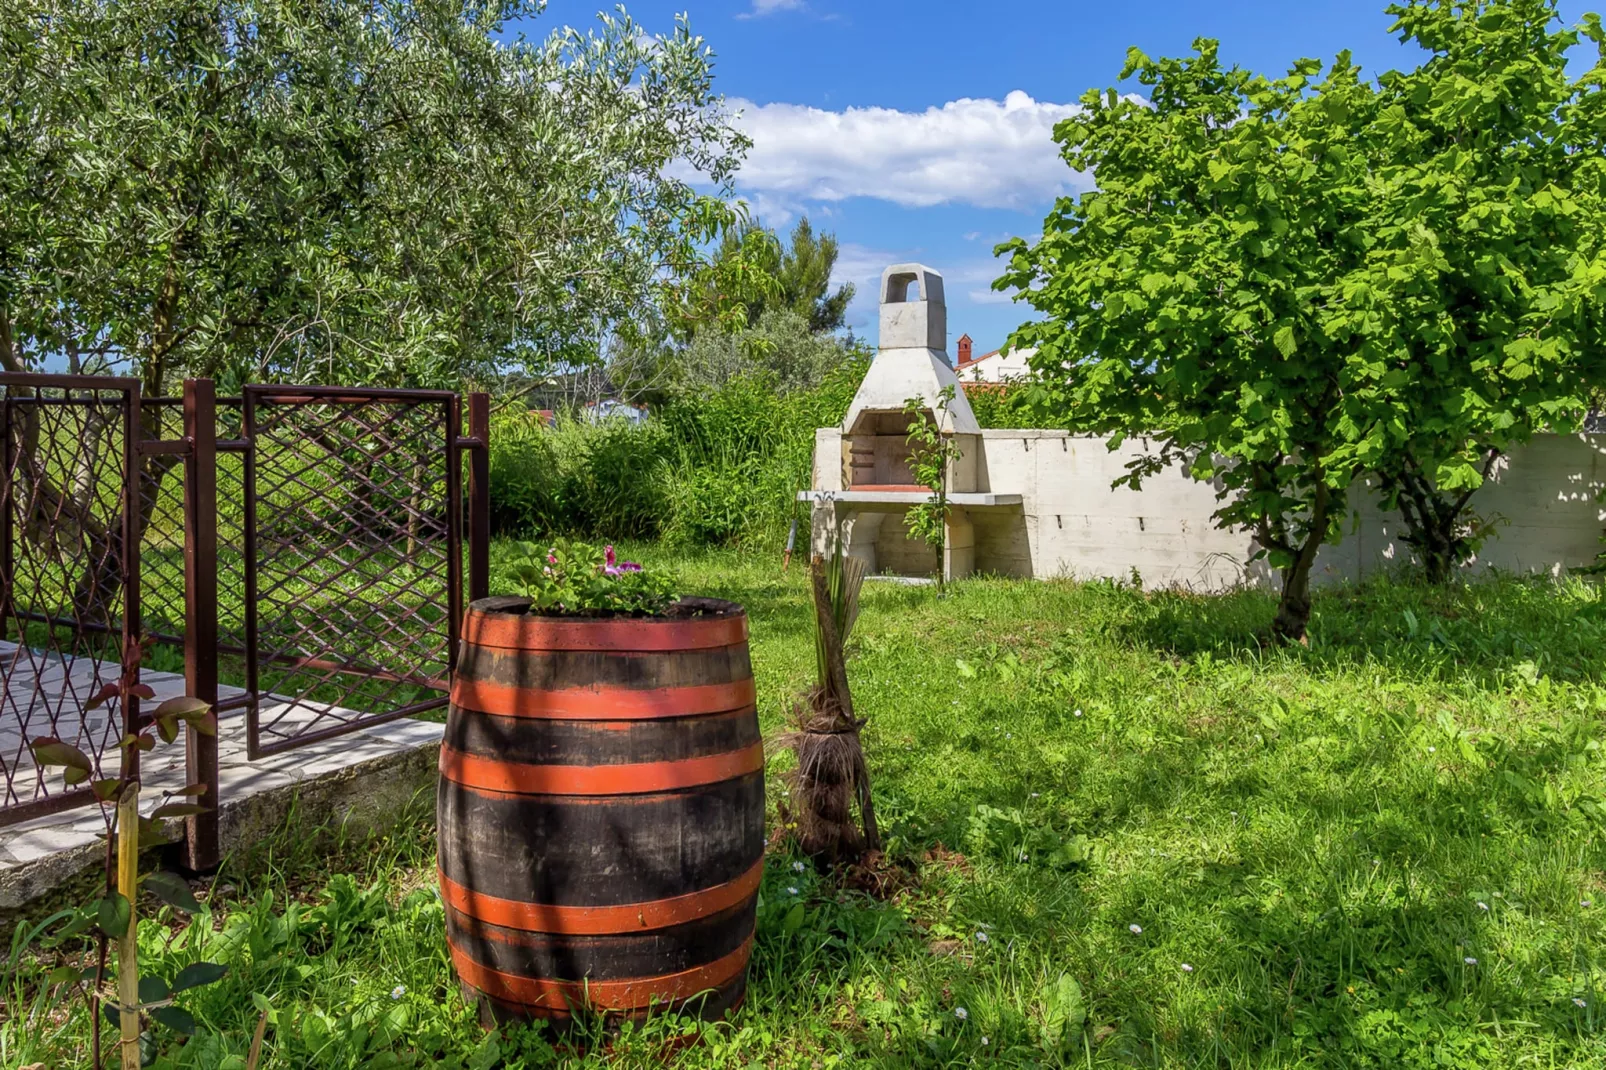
(579, 578)
(1296, 282)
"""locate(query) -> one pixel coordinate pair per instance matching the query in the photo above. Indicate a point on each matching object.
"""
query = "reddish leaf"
(207, 725)
(190, 789)
(146, 741)
(106, 693)
(178, 810)
(142, 691)
(48, 750)
(151, 832)
(183, 707)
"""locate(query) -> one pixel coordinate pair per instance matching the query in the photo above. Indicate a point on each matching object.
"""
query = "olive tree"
(380, 191)
(1294, 283)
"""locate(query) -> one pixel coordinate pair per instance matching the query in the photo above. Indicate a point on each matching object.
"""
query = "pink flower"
(607, 554)
(629, 566)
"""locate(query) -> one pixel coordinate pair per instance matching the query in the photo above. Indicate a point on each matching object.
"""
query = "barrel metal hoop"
(602, 703)
(637, 778)
(637, 993)
(508, 631)
(601, 920)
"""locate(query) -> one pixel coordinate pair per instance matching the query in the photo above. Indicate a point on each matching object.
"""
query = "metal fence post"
(7, 565)
(202, 849)
(479, 497)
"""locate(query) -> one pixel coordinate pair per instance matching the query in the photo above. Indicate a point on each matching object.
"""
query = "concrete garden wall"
(1544, 501)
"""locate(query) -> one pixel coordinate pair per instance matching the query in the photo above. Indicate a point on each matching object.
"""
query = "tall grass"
(1123, 834)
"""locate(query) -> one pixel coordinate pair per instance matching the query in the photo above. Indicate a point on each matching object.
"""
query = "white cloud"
(984, 153)
(770, 7)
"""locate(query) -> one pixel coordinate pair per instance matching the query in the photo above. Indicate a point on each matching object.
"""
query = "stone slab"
(364, 777)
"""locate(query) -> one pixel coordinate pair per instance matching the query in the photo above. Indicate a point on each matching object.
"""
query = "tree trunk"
(1293, 608)
(1438, 528)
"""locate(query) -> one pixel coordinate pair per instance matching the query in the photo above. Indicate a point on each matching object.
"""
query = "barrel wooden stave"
(601, 814)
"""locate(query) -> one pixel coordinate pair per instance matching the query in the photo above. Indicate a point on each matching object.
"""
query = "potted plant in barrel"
(601, 797)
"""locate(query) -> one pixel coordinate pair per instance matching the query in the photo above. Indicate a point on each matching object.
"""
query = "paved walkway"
(162, 769)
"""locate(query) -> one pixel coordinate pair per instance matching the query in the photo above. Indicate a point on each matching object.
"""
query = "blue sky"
(920, 130)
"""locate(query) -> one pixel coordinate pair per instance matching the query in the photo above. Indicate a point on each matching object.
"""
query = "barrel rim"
(503, 622)
(516, 606)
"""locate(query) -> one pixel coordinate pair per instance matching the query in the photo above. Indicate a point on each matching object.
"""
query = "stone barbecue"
(872, 485)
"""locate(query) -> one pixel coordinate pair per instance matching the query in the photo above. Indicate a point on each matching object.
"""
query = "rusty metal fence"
(69, 543)
(310, 550)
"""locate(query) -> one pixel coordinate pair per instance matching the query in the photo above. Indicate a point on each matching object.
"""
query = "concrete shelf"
(899, 497)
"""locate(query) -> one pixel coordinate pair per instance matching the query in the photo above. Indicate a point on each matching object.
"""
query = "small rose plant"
(579, 578)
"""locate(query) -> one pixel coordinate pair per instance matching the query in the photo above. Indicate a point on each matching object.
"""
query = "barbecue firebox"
(875, 481)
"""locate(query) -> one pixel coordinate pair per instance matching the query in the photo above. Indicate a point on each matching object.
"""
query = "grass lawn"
(1122, 835)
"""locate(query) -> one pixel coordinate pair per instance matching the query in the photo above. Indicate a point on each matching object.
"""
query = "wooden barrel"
(601, 812)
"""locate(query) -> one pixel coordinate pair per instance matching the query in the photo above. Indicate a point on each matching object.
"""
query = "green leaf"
(197, 974)
(177, 1019)
(1285, 341)
(47, 750)
(182, 707)
(111, 914)
(76, 926)
(167, 727)
(106, 790)
(1062, 1012)
(153, 989)
(61, 975)
(793, 920)
(173, 890)
(263, 1004)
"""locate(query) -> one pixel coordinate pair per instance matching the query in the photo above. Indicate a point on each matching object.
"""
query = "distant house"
(610, 408)
(999, 366)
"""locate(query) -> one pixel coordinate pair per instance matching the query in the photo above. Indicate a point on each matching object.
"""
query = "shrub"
(718, 468)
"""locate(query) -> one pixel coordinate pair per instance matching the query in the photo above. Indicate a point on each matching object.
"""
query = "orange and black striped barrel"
(601, 811)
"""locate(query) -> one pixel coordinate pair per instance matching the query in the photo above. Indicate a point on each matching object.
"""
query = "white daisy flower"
(1470, 961)
(398, 992)
(1187, 968)
(1136, 929)
(1482, 905)
(1578, 1002)
(961, 1013)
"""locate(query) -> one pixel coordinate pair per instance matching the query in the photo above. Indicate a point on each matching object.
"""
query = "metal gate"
(354, 556)
(70, 482)
(317, 544)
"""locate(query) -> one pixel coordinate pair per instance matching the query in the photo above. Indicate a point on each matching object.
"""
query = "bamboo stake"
(127, 943)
